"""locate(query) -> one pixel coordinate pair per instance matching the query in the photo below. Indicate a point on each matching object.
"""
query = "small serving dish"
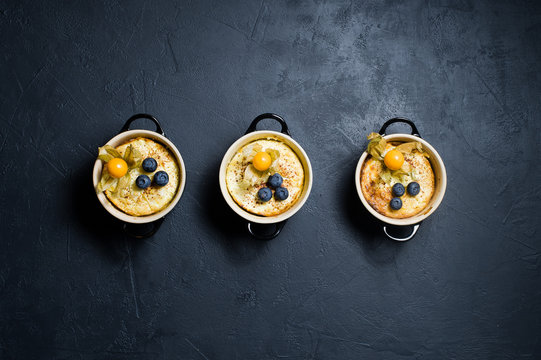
(124, 136)
(440, 180)
(251, 135)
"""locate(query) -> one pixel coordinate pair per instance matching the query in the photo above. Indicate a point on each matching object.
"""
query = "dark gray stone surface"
(330, 286)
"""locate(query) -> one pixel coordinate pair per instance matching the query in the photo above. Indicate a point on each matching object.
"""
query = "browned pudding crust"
(137, 202)
(243, 181)
(378, 193)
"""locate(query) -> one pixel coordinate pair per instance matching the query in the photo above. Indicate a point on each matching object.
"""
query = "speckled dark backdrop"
(330, 286)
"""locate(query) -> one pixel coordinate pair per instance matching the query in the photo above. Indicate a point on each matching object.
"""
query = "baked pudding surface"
(377, 191)
(244, 181)
(138, 202)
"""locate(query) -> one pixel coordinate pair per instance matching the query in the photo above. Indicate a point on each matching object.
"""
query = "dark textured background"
(330, 286)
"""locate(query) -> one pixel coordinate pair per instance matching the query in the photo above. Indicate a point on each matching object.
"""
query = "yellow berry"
(394, 159)
(117, 167)
(262, 161)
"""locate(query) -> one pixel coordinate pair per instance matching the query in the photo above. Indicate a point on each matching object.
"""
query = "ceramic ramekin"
(124, 136)
(251, 135)
(440, 177)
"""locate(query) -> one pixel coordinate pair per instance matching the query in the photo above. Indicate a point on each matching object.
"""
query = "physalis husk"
(107, 153)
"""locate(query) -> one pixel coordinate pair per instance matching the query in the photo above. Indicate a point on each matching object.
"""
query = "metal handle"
(278, 228)
(414, 231)
(414, 130)
(126, 126)
(278, 118)
(133, 233)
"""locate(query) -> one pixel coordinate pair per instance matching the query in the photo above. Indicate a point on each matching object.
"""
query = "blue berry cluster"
(161, 178)
(398, 190)
(274, 182)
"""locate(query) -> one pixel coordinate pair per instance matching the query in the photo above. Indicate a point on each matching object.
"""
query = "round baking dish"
(123, 136)
(440, 177)
(251, 135)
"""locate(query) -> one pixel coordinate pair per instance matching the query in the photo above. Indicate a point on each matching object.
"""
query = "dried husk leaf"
(111, 150)
(376, 146)
(391, 177)
(249, 159)
(270, 171)
(251, 175)
(257, 148)
(106, 182)
(123, 182)
(274, 154)
(373, 135)
(399, 175)
(138, 158)
(106, 157)
(248, 151)
(132, 156)
(244, 185)
(385, 175)
(128, 157)
(408, 147)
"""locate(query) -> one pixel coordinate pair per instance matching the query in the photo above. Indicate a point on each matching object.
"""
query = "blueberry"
(142, 182)
(264, 194)
(149, 165)
(275, 181)
(413, 188)
(161, 178)
(395, 203)
(281, 193)
(398, 189)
